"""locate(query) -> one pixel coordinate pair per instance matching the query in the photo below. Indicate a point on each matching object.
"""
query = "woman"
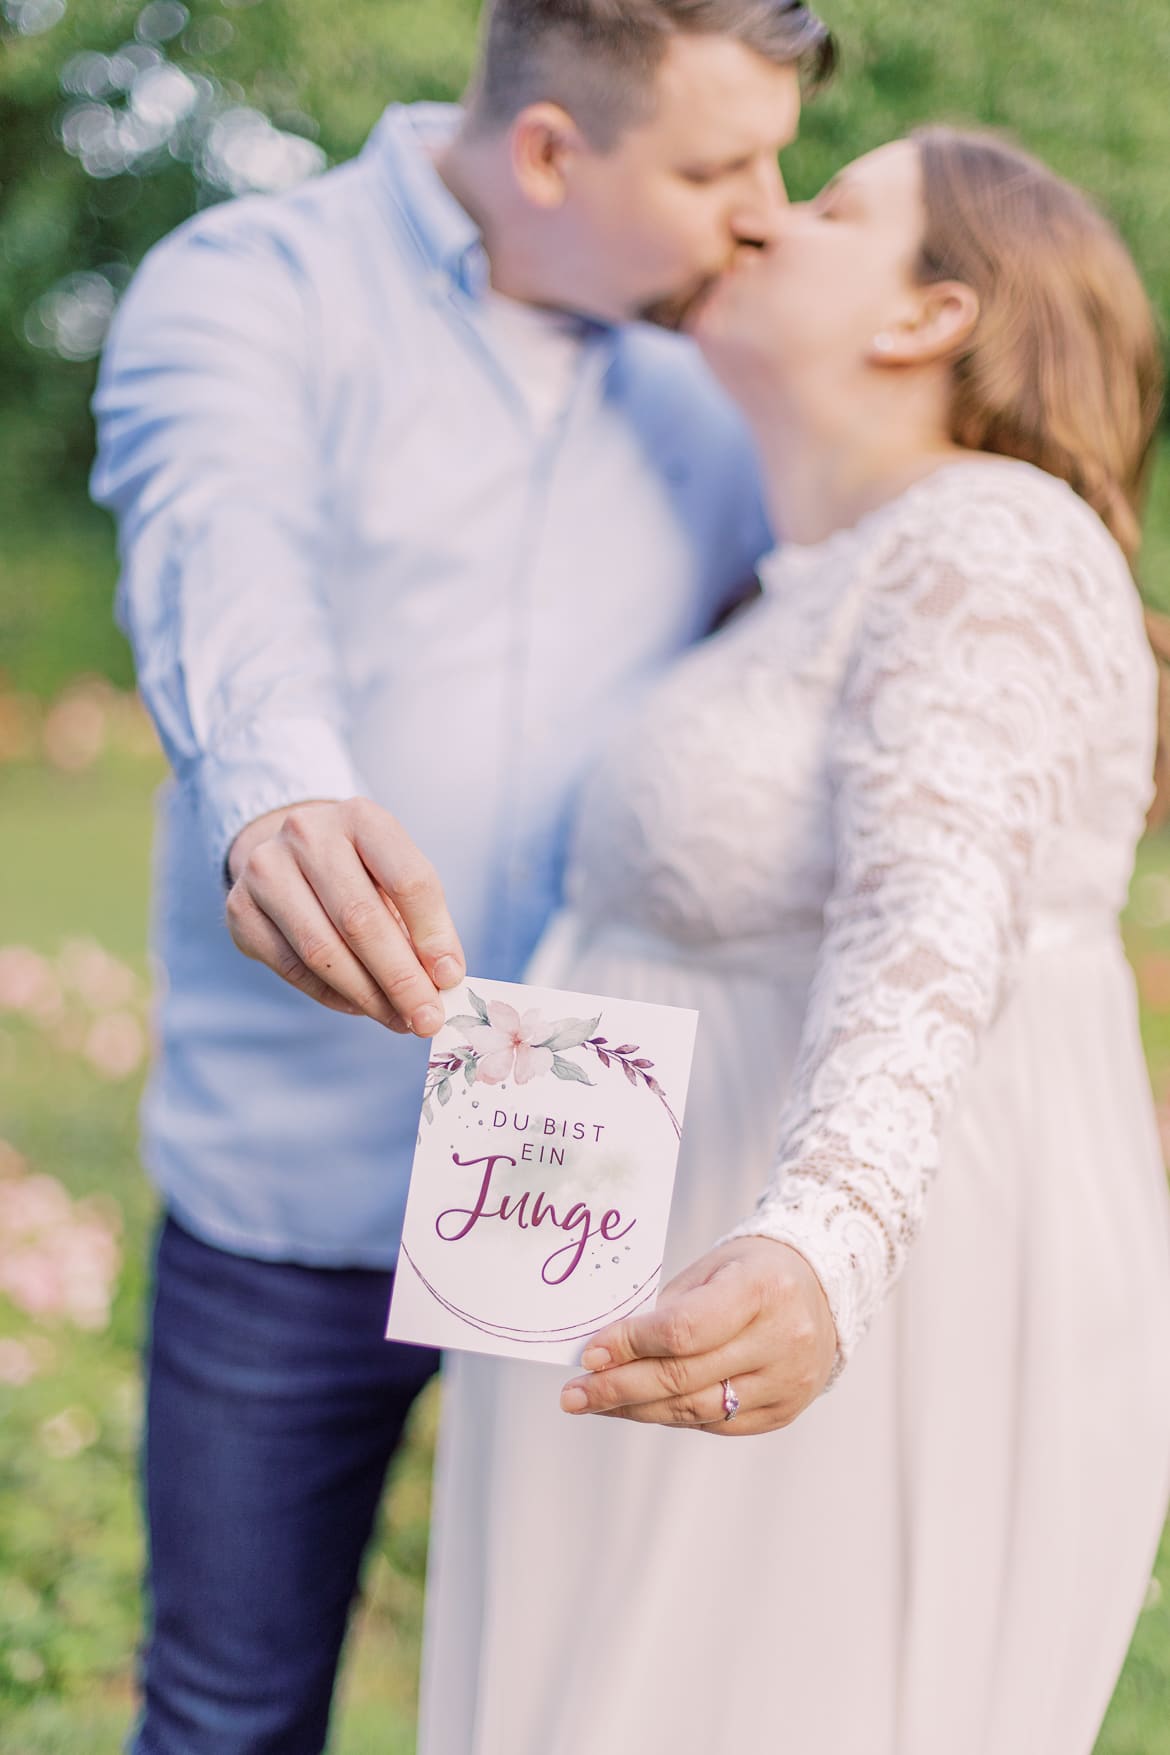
(878, 832)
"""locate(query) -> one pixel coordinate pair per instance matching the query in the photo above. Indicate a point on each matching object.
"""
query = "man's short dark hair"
(598, 58)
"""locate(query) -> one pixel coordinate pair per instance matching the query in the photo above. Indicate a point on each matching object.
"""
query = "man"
(411, 509)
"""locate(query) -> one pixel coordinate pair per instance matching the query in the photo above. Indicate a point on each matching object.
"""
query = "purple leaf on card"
(629, 1072)
(603, 1057)
(597, 1041)
(627, 1048)
(642, 1063)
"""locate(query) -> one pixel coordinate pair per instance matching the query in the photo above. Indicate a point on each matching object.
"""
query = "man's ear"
(543, 140)
(946, 312)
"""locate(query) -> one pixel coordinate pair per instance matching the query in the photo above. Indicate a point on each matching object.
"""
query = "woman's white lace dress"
(878, 832)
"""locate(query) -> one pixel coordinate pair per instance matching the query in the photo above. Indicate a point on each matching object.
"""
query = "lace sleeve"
(981, 669)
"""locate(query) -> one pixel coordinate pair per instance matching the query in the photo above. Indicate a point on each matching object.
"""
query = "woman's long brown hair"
(1064, 366)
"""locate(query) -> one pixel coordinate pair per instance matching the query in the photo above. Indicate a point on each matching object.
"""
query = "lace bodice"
(927, 743)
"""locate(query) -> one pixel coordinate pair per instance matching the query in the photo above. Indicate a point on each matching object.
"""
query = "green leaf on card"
(465, 1022)
(570, 1033)
(479, 1006)
(469, 1071)
(565, 1069)
(444, 1091)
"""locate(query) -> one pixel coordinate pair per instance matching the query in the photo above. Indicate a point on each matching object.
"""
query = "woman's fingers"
(703, 1408)
(716, 1303)
(751, 1310)
(766, 1402)
(666, 1381)
(705, 1412)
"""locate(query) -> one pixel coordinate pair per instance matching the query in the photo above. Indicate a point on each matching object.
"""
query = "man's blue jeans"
(273, 1408)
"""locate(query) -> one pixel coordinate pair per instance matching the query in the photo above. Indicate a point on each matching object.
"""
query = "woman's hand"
(752, 1311)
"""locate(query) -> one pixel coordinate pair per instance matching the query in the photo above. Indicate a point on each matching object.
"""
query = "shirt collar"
(447, 237)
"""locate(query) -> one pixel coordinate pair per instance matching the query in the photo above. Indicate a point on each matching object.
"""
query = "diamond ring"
(730, 1400)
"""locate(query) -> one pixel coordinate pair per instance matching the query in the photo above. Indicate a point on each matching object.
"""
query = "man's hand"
(752, 1311)
(336, 898)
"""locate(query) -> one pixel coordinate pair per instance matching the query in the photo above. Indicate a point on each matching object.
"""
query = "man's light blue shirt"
(350, 564)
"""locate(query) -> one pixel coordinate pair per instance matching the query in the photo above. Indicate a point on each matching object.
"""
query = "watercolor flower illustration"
(496, 1043)
(510, 1046)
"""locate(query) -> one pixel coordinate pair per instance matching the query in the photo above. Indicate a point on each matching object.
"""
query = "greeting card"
(543, 1172)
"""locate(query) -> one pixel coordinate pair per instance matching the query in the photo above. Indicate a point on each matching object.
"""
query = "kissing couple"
(439, 483)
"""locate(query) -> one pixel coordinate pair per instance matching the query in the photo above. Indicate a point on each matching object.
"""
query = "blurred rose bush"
(72, 732)
(59, 1257)
(89, 1002)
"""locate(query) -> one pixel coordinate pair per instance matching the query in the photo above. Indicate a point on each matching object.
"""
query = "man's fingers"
(256, 937)
(276, 884)
(413, 885)
(355, 903)
(373, 932)
(699, 1320)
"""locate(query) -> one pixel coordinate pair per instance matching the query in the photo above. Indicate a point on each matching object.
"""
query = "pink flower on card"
(508, 1045)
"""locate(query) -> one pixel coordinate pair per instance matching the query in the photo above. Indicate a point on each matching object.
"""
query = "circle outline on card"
(575, 1331)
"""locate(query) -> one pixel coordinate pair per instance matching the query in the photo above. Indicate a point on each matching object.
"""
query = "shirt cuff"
(279, 763)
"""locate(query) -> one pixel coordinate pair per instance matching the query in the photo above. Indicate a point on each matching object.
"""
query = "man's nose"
(760, 213)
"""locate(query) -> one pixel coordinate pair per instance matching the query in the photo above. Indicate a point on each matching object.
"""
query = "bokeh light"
(135, 110)
(33, 17)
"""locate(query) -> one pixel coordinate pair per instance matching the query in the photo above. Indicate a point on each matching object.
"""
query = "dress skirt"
(946, 1553)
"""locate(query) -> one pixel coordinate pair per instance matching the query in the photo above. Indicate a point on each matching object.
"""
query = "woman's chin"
(742, 372)
(723, 314)
(713, 329)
